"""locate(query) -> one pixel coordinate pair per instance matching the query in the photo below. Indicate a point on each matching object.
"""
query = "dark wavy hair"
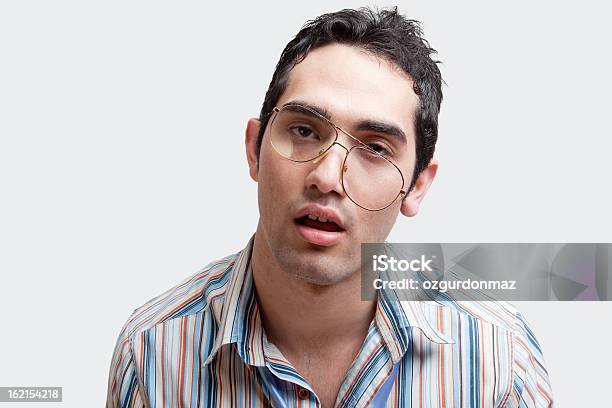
(386, 34)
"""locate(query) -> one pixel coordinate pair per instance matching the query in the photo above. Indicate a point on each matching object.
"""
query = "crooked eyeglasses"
(370, 180)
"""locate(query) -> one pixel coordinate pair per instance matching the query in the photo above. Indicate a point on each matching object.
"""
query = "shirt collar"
(395, 320)
(237, 313)
(239, 322)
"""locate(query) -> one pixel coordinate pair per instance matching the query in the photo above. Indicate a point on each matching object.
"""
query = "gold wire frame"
(323, 152)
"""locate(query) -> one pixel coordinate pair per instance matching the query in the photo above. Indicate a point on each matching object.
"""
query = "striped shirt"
(202, 344)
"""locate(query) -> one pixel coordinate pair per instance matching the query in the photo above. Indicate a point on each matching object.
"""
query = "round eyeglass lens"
(370, 180)
(299, 134)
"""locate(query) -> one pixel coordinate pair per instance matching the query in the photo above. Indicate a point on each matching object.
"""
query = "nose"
(326, 172)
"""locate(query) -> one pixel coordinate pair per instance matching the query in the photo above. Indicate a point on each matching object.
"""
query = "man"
(343, 144)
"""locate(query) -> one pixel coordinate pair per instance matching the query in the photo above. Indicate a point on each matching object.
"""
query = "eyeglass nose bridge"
(324, 152)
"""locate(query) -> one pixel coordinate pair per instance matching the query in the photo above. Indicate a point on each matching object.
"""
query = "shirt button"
(303, 393)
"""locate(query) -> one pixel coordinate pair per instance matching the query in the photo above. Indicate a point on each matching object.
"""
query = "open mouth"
(318, 223)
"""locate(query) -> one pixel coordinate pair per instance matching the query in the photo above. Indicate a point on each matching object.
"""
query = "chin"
(318, 280)
(317, 269)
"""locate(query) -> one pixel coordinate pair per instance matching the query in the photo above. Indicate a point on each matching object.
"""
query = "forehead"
(352, 84)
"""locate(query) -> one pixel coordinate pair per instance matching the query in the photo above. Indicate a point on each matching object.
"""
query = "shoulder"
(500, 316)
(193, 295)
(530, 384)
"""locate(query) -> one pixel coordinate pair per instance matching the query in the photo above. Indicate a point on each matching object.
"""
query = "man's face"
(352, 86)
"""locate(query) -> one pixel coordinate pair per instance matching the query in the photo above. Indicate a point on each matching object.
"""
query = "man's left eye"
(380, 149)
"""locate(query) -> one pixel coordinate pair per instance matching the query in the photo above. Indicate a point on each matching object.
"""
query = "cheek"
(275, 185)
(375, 227)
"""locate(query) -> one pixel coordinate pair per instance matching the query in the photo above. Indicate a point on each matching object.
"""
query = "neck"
(298, 315)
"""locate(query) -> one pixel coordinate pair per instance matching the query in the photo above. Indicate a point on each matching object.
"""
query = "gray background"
(122, 164)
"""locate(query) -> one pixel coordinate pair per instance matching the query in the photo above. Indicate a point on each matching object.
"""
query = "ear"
(410, 204)
(250, 143)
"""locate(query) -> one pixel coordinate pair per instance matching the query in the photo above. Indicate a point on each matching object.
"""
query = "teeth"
(315, 218)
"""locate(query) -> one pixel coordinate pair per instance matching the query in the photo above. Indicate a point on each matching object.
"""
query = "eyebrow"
(385, 128)
(373, 125)
(292, 106)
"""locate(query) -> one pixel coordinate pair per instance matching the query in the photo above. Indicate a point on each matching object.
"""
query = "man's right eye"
(303, 132)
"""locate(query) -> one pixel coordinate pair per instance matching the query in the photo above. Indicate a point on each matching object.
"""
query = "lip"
(321, 212)
(317, 236)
